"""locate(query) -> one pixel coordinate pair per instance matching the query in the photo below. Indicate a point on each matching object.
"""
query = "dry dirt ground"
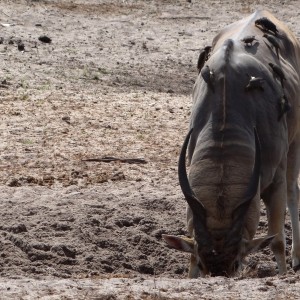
(115, 81)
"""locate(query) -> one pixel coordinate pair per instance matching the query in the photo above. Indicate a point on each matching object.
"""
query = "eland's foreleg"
(275, 199)
(293, 201)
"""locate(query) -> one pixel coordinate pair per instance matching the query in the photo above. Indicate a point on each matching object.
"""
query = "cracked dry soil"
(115, 81)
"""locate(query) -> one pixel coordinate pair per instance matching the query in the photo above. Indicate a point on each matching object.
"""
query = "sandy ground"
(115, 81)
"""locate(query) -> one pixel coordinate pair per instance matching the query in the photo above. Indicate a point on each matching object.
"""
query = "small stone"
(45, 39)
(66, 119)
(21, 46)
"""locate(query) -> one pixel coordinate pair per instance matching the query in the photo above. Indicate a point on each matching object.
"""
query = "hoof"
(296, 268)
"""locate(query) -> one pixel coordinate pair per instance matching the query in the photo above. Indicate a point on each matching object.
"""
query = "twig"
(108, 159)
(184, 17)
(48, 96)
(192, 49)
(5, 13)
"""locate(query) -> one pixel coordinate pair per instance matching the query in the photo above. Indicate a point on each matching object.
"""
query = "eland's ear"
(257, 244)
(181, 243)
